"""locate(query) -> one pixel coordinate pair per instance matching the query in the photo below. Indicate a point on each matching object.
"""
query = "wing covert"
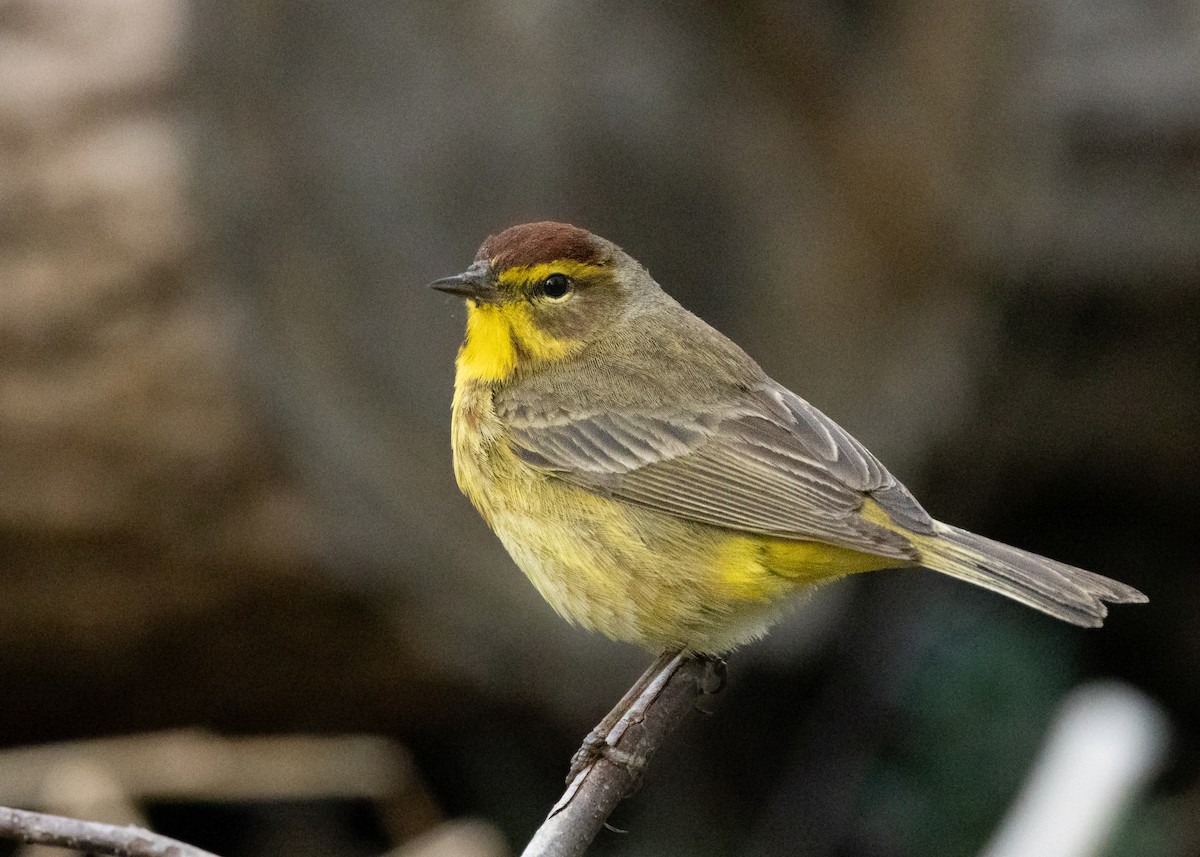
(768, 463)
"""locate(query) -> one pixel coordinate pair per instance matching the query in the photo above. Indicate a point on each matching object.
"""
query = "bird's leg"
(630, 709)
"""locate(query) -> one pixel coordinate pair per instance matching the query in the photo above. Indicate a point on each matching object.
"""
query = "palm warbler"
(655, 484)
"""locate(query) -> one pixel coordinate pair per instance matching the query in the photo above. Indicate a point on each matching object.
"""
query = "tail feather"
(1062, 590)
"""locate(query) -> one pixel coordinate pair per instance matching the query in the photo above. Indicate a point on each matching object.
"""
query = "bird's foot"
(589, 753)
(601, 742)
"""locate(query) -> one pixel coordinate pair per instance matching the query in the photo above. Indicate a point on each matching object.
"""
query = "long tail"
(1062, 590)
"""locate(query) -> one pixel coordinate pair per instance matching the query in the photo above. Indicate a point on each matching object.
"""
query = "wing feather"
(766, 462)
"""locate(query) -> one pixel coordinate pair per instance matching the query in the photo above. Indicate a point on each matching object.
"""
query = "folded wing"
(768, 462)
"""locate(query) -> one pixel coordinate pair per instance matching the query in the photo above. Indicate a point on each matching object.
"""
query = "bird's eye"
(556, 286)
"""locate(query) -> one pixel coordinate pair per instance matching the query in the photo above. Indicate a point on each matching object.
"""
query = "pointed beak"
(474, 284)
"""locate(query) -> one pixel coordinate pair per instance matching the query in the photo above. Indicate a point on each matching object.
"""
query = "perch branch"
(609, 766)
(37, 828)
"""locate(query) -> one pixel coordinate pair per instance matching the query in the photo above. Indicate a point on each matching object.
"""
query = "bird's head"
(540, 293)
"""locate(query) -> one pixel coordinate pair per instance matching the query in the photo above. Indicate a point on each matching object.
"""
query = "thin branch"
(610, 765)
(37, 828)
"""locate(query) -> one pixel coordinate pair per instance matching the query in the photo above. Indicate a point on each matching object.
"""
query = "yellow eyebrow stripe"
(533, 273)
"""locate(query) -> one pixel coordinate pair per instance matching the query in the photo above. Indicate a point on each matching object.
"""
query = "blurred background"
(242, 599)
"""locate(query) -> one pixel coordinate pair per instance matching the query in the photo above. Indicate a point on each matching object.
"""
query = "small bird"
(655, 484)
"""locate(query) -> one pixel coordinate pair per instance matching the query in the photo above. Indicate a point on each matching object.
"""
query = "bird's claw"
(588, 754)
(595, 748)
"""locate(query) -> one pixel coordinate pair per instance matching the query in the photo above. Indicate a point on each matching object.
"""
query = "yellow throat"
(503, 337)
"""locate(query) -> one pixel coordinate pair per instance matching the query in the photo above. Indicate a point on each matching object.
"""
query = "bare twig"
(609, 766)
(37, 828)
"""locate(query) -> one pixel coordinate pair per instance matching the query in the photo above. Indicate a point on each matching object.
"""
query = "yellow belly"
(633, 573)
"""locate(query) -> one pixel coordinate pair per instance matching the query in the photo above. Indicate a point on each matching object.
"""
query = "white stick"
(1107, 741)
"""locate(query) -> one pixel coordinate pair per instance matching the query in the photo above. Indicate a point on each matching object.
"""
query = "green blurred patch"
(976, 711)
